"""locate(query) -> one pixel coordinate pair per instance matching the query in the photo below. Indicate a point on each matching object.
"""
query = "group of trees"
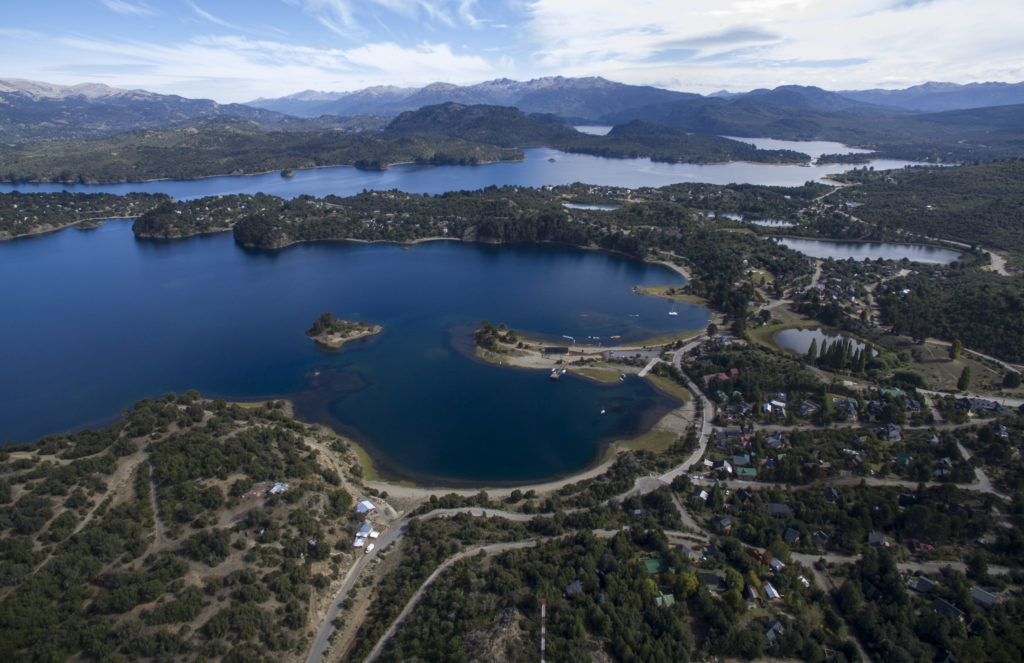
(97, 569)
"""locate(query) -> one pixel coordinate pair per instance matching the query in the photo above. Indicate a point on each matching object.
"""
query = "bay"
(99, 319)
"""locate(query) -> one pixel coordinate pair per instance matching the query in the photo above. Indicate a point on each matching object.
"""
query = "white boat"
(602, 411)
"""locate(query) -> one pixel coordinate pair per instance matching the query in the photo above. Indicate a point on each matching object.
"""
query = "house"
(365, 506)
(944, 607)
(712, 551)
(773, 632)
(831, 494)
(774, 441)
(722, 465)
(1000, 430)
(359, 542)
(722, 523)
(907, 499)
(846, 407)
(741, 460)
(776, 565)
(791, 535)
(770, 591)
(778, 509)
(278, 488)
(984, 598)
(743, 494)
(573, 588)
(889, 433)
(921, 584)
(664, 600)
(689, 553)
(876, 539)
(701, 494)
(713, 581)
(904, 460)
(807, 408)
(820, 539)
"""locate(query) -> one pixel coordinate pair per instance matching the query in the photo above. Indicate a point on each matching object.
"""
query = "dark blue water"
(542, 166)
(93, 321)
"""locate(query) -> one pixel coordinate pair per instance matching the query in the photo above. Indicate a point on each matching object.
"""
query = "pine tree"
(954, 349)
(812, 352)
(965, 379)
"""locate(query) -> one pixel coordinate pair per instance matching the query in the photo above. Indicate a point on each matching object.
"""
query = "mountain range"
(596, 99)
(30, 110)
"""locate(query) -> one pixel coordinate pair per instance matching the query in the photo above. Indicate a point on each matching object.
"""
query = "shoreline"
(335, 341)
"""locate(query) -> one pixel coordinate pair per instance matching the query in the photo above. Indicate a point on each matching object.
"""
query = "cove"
(99, 319)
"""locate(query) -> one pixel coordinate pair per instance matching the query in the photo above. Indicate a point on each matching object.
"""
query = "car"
(368, 549)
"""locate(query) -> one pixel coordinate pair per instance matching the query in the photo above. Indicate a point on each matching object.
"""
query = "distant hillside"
(30, 111)
(584, 99)
(795, 114)
(494, 125)
(943, 96)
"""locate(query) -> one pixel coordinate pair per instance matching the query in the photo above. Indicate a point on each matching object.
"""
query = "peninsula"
(333, 332)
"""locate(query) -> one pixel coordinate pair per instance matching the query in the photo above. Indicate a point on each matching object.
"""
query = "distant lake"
(771, 223)
(99, 319)
(816, 248)
(815, 148)
(542, 167)
(799, 340)
(598, 208)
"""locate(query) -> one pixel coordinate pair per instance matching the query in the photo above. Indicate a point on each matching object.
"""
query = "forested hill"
(963, 135)
(495, 125)
(510, 127)
(981, 204)
(226, 147)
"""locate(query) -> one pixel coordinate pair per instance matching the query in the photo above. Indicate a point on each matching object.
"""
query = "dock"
(647, 369)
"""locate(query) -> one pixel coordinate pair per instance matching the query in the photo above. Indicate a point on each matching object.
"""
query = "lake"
(542, 167)
(816, 248)
(100, 319)
(799, 340)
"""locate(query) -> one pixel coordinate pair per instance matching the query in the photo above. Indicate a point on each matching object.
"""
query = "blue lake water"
(799, 339)
(817, 248)
(99, 319)
(542, 167)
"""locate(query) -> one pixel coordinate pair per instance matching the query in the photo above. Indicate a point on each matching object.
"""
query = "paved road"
(320, 644)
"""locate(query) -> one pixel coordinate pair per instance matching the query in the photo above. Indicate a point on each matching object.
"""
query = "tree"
(712, 330)
(954, 349)
(965, 379)
(1012, 380)
(812, 352)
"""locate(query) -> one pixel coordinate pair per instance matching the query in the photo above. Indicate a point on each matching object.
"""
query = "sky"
(233, 51)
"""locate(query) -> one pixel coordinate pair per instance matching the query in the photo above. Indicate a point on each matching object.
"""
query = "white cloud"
(130, 8)
(743, 44)
(210, 17)
(234, 68)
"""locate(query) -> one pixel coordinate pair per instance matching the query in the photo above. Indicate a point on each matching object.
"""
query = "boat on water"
(602, 411)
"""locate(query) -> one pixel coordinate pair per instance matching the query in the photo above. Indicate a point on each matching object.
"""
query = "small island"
(333, 332)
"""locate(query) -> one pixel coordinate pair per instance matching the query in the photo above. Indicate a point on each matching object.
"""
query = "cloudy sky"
(237, 51)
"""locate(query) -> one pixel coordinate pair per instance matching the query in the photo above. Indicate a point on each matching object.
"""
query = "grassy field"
(655, 440)
(671, 387)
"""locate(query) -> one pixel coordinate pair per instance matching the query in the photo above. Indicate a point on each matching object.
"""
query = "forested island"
(332, 332)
